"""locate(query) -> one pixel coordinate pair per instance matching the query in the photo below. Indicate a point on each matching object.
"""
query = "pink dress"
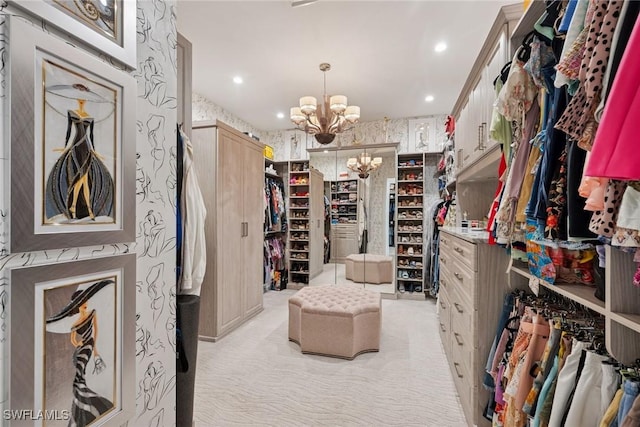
(615, 153)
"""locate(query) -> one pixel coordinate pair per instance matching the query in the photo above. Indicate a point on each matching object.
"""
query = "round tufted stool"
(339, 321)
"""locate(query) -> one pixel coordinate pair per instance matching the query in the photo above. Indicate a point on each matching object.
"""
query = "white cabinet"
(232, 287)
(473, 118)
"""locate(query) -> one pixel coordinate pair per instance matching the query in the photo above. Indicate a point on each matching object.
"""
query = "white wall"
(155, 217)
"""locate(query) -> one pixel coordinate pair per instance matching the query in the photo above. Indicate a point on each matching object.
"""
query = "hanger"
(504, 73)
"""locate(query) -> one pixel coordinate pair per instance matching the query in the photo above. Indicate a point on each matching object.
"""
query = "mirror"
(359, 190)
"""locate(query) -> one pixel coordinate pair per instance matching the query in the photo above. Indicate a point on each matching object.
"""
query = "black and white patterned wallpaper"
(155, 243)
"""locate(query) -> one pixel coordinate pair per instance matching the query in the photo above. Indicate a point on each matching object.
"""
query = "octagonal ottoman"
(369, 268)
(335, 320)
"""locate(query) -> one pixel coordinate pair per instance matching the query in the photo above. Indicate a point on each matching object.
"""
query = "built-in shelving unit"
(299, 216)
(344, 201)
(276, 278)
(410, 224)
(306, 216)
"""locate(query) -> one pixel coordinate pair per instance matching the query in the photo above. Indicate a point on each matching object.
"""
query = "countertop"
(473, 236)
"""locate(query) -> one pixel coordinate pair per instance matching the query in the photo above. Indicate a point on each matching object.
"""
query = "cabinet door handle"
(442, 328)
(457, 249)
(457, 337)
(246, 229)
(459, 276)
(479, 145)
(458, 309)
(483, 136)
(444, 307)
(242, 229)
(455, 366)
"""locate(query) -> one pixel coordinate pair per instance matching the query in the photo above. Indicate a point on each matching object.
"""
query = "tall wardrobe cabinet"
(230, 167)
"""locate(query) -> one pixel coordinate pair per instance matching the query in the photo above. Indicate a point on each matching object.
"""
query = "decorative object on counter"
(334, 115)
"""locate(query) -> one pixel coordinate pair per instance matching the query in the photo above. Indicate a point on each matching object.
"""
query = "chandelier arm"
(311, 128)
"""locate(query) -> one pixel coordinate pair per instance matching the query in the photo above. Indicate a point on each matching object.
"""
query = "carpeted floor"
(256, 377)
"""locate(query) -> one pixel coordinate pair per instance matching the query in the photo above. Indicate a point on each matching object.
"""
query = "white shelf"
(410, 207)
(298, 185)
(410, 195)
(408, 280)
(410, 180)
(298, 197)
(411, 167)
(299, 208)
(581, 294)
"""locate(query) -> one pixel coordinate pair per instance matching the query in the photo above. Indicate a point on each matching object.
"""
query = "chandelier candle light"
(331, 117)
(364, 164)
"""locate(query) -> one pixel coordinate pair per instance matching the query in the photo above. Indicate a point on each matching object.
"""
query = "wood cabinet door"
(250, 265)
(229, 281)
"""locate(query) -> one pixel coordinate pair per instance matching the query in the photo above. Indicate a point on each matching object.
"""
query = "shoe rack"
(306, 223)
(299, 216)
(410, 225)
(344, 202)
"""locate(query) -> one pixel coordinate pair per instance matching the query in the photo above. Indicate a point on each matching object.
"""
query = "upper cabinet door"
(497, 59)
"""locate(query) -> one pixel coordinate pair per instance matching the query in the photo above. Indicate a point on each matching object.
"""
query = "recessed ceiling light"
(441, 47)
(429, 98)
(237, 80)
(280, 115)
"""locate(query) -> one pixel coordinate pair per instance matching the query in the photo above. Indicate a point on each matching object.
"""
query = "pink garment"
(615, 152)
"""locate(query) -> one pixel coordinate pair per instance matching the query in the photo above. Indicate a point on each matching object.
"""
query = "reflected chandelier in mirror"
(364, 164)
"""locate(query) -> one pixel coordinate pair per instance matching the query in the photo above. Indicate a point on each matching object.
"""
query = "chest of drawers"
(473, 282)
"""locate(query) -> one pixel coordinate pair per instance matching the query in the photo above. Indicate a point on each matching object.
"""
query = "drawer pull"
(456, 335)
(442, 328)
(457, 249)
(444, 307)
(443, 283)
(443, 241)
(455, 365)
(444, 261)
(460, 310)
(459, 276)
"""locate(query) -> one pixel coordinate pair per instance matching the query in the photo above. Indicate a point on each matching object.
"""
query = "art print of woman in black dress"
(87, 405)
(79, 185)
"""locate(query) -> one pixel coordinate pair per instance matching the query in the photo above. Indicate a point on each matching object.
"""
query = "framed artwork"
(295, 143)
(422, 135)
(72, 138)
(72, 348)
(106, 25)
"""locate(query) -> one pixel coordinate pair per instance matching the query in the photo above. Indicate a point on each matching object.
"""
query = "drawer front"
(444, 320)
(463, 280)
(466, 392)
(462, 343)
(458, 278)
(463, 251)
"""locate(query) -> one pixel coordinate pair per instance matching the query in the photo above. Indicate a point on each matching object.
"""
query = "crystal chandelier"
(364, 164)
(331, 117)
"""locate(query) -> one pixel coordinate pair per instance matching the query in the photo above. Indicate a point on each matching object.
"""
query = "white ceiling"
(381, 52)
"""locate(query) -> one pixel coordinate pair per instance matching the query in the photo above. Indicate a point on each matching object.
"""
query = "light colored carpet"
(256, 377)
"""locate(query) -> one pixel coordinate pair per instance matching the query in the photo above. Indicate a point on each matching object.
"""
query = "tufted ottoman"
(369, 268)
(338, 321)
